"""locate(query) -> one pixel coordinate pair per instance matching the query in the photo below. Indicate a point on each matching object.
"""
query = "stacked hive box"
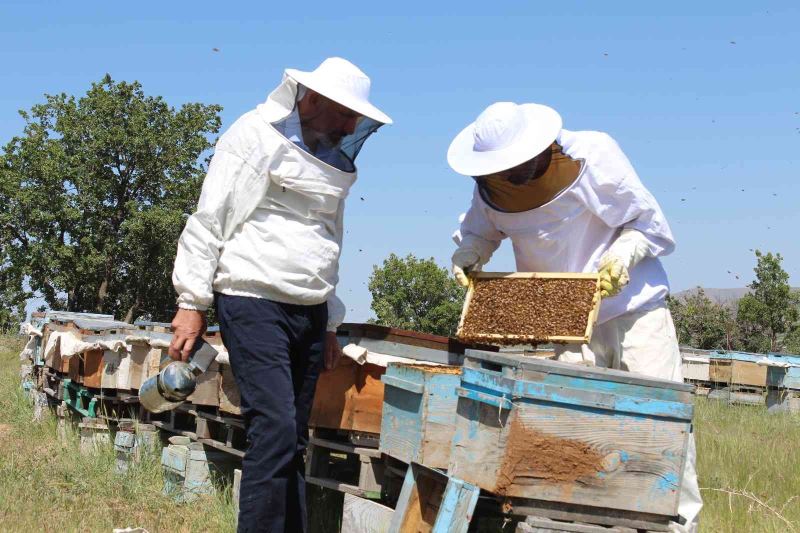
(740, 370)
(783, 383)
(350, 397)
(419, 409)
(561, 440)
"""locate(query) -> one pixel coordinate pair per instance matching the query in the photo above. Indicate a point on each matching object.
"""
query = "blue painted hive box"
(565, 441)
(787, 377)
(419, 412)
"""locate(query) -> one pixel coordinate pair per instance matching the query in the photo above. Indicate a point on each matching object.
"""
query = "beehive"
(530, 308)
(738, 369)
(547, 435)
(350, 397)
(419, 412)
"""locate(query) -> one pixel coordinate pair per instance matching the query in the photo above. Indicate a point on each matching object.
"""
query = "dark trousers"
(276, 353)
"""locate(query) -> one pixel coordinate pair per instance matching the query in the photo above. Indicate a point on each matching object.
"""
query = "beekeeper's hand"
(464, 262)
(624, 253)
(613, 275)
(333, 352)
(187, 326)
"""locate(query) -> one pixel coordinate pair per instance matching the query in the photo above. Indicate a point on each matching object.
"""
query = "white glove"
(630, 247)
(464, 262)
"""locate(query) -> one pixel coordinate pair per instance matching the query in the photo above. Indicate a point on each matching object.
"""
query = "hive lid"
(570, 369)
(738, 356)
(71, 315)
(92, 324)
(405, 343)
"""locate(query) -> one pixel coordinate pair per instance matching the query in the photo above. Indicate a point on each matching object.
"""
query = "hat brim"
(361, 107)
(543, 125)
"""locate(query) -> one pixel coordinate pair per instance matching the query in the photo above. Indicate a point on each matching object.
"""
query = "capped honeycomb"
(528, 310)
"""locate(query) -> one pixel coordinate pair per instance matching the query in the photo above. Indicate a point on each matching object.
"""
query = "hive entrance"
(529, 308)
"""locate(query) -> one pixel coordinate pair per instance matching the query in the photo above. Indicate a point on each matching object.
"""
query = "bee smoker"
(176, 380)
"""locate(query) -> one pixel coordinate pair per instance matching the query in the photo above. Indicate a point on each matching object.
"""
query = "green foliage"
(702, 323)
(768, 316)
(415, 294)
(95, 192)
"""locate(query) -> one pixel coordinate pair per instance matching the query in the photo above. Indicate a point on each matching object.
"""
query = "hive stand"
(211, 427)
(190, 469)
(783, 400)
(79, 398)
(235, 491)
(736, 397)
(132, 440)
(95, 434)
(535, 524)
(343, 466)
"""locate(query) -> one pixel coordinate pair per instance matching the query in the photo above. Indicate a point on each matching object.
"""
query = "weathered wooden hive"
(419, 413)
(561, 440)
(738, 368)
(350, 397)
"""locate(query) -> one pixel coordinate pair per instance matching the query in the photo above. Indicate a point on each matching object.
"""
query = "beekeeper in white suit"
(572, 202)
(264, 246)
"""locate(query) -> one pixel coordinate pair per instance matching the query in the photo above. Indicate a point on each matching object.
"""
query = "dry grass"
(749, 464)
(749, 467)
(49, 486)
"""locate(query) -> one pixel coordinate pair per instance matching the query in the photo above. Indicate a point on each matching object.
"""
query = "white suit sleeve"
(336, 308)
(477, 237)
(618, 197)
(205, 232)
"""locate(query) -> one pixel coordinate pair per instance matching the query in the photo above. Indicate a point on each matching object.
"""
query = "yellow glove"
(613, 275)
(461, 276)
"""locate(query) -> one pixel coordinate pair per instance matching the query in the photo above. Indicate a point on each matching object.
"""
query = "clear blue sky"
(712, 127)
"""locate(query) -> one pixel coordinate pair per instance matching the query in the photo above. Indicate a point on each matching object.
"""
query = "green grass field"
(749, 464)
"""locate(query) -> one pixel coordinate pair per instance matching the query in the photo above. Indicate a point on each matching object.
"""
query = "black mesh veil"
(348, 147)
(351, 145)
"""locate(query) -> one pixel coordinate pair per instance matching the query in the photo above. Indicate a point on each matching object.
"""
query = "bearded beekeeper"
(571, 202)
(264, 247)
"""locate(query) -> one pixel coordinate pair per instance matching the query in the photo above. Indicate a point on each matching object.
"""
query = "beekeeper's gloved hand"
(464, 262)
(613, 275)
(625, 253)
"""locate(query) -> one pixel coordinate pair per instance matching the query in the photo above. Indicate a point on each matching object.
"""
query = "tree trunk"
(102, 292)
(72, 304)
(129, 315)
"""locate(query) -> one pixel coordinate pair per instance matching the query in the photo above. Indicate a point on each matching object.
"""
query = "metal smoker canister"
(177, 380)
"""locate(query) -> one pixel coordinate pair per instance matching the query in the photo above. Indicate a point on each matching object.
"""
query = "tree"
(415, 294)
(702, 323)
(768, 315)
(95, 194)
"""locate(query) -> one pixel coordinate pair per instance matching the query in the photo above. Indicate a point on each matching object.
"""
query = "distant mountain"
(721, 296)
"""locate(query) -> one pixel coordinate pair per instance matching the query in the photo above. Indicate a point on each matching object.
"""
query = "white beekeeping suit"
(269, 222)
(587, 212)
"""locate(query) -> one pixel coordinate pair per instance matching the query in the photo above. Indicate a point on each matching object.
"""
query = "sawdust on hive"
(528, 309)
(435, 369)
(547, 458)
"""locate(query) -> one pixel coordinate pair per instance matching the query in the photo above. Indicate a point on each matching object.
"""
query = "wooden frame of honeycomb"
(588, 305)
